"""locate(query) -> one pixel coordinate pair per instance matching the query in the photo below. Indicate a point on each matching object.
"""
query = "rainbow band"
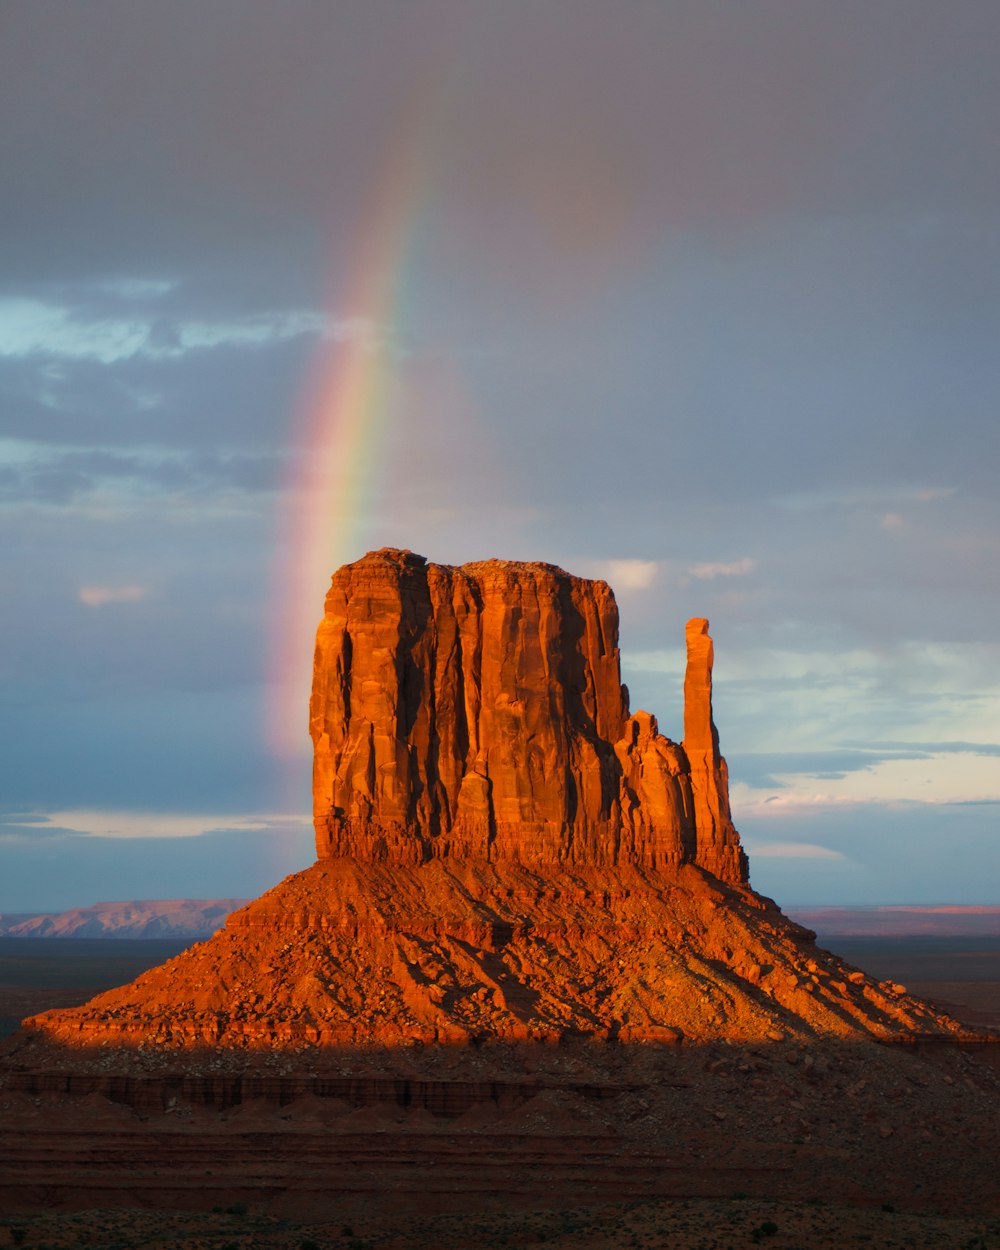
(331, 495)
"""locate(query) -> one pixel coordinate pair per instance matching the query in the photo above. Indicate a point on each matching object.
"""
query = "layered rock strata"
(478, 713)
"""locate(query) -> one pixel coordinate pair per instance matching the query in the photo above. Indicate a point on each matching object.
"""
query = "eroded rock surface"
(506, 854)
(478, 713)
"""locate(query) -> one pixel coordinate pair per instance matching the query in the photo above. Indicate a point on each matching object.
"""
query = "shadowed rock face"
(478, 712)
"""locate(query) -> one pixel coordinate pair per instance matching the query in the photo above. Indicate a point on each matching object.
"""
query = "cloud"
(875, 497)
(167, 342)
(926, 777)
(98, 596)
(791, 850)
(737, 568)
(137, 288)
(31, 327)
(53, 874)
(64, 474)
(884, 697)
(772, 769)
(627, 574)
(908, 854)
(939, 748)
(672, 662)
(30, 829)
(100, 823)
(35, 327)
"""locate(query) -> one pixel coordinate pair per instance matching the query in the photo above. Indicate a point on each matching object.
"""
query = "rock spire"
(477, 712)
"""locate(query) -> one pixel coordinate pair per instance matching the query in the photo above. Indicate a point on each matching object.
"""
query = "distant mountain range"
(198, 918)
(898, 921)
(183, 918)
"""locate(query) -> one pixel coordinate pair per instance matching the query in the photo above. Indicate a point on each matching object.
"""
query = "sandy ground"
(689, 1224)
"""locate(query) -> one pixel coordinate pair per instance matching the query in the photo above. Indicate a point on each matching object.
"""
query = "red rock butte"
(506, 853)
(478, 713)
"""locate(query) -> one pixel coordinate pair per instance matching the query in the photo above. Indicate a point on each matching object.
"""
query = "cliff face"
(478, 713)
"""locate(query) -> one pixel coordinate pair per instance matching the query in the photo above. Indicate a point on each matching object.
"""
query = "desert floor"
(720, 1147)
(686, 1224)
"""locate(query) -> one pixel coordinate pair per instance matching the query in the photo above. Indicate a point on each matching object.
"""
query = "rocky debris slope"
(349, 953)
(506, 853)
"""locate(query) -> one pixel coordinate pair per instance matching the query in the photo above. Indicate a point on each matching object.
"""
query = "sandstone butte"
(505, 853)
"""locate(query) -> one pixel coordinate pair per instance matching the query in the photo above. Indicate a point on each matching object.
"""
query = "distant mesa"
(176, 919)
(506, 853)
(958, 921)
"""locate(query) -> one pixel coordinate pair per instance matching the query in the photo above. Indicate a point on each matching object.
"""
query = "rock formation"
(527, 967)
(478, 713)
(505, 852)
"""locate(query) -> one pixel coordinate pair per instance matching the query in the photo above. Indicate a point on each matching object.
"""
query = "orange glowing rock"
(478, 712)
(504, 852)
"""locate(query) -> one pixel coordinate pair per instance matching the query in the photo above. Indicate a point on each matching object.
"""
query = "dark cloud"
(763, 768)
(60, 475)
(942, 748)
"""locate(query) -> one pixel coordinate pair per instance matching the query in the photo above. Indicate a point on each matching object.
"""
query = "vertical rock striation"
(478, 713)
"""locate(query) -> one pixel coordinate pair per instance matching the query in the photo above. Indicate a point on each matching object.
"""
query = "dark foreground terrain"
(684, 1224)
(786, 1145)
(39, 973)
(569, 1145)
(961, 974)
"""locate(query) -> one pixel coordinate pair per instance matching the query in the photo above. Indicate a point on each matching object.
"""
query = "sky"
(699, 297)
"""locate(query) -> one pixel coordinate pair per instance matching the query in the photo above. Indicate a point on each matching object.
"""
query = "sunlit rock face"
(506, 854)
(478, 713)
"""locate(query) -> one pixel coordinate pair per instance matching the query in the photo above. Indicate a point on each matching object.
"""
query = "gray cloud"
(765, 770)
(33, 328)
(942, 748)
(62, 475)
(695, 286)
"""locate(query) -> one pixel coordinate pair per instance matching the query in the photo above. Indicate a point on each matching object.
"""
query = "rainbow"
(341, 426)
